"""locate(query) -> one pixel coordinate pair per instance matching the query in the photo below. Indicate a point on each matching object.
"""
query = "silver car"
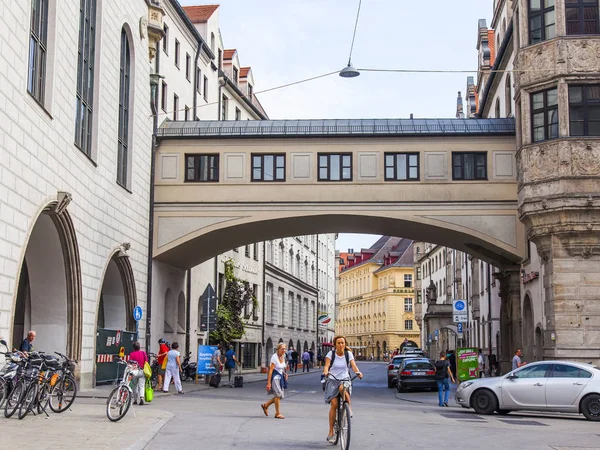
(558, 386)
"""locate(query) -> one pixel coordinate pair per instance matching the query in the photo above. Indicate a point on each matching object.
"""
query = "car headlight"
(464, 385)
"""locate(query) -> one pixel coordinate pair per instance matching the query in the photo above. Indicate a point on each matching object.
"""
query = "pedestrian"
(161, 360)
(480, 364)
(452, 361)
(276, 381)
(173, 368)
(216, 360)
(139, 379)
(305, 361)
(27, 344)
(516, 361)
(311, 355)
(295, 357)
(442, 373)
(337, 362)
(288, 356)
(230, 363)
(319, 358)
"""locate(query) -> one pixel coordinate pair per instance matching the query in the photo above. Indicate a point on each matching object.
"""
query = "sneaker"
(181, 392)
(446, 404)
(331, 439)
(135, 402)
(141, 402)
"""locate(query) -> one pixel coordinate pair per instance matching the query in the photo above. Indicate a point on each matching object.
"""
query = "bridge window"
(202, 168)
(584, 110)
(544, 115)
(268, 167)
(542, 20)
(469, 166)
(401, 166)
(582, 17)
(335, 167)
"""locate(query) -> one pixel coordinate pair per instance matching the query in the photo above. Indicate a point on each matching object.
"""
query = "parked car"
(407, 350)
(557, 386)
(393, 368)
(416, 373)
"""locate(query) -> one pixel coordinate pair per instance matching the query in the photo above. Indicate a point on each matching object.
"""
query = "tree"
(238, 295)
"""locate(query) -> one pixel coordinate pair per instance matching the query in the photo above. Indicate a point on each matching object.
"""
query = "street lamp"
(349, 71)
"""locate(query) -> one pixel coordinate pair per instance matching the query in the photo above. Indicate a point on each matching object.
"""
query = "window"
(268, 167)
(566, 371)
(247, 251)
(163, 97)
(220, 59)
(298, 274)
(123, 139)
(335, 167)
(280, 306)
(202, 168)
(186, 113)
(584, 110)
(235, 75)
(418, 273)
(255, 254)
(582, 16)
(268, 300)
(407, 280)
(419, 297)
(85, 76)
(198, 80)
(250, 91)
(212, 42)
(408, 324)
(238, 113)
(165, 40)
(37, 49)
(175, 106)
(177, 53)
(205, 88)
(544, 116)
(469, 166)
(255, 308)
(401, 166)
(224, 108)
(508, 95)
(541, 20)
(537, 371)
(408, 305)
(187, 66)
(497, 109)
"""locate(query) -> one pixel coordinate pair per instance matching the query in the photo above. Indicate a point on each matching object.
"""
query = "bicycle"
(341, 426)
(119, 400)
(63, 389)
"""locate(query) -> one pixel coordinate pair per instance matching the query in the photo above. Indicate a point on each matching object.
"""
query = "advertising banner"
(466, 363)
(205, 366)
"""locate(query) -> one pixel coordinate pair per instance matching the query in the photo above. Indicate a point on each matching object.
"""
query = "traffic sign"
(459, 310)
(459, 327)
(437, 334)
(137, 313)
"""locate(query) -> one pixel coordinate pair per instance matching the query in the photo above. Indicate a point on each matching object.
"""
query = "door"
(525, 388)
(565, 385)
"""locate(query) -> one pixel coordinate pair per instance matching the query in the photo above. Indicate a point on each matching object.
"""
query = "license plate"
(418, 373)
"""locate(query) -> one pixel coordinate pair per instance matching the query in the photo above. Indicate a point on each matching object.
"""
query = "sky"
(287, 41)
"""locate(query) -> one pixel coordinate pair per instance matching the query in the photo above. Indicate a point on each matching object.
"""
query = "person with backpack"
(230, 363)
(337, 363)
(442, 373)
(139, 379)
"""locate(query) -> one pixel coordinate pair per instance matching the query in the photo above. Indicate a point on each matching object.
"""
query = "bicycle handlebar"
(337, 379)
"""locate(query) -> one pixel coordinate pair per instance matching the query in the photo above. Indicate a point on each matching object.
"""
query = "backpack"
(441, 370)
(345, 355)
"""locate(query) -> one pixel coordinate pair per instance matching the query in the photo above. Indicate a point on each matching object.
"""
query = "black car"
(416, 373)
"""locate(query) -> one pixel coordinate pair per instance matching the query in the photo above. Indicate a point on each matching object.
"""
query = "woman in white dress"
(339, 369)
(276, 381)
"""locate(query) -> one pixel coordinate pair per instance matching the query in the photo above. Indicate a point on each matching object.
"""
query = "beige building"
(377, 298)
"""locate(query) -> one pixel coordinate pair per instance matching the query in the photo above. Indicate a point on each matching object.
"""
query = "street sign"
(437, 334)
(459, 310)
(459, 327)
(137, 313)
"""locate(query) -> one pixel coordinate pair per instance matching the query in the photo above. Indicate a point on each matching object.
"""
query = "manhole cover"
(466, 416)
(524, 422)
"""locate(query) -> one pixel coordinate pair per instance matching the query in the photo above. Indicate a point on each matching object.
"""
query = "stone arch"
(528, 326)
(181, 313)
(269, 350)
(305, 348)
(49, 296)
(170, 313)
(290, 344)
(298, 346)
(538, 349)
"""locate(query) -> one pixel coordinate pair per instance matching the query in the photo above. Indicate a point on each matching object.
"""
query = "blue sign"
(137, 313)
(437, 333)
(430, 338)
(459, 327)
(205, 365)
(459, 305)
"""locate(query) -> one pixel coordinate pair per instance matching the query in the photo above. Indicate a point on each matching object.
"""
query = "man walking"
(294, 366)
(216, 360)
(516, 361)
(305, 361)
(442, 373)
(230, 363)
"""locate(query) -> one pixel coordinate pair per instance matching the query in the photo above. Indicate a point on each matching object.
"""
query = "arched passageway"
(528, 327)
(49, 294)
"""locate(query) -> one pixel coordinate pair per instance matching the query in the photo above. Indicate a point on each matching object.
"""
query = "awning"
(327, 344)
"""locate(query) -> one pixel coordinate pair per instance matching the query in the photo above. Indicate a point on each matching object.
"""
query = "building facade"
(376, 310)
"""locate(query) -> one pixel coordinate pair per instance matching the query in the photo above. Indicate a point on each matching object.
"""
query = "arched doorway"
(538, 350)
(505, 344)
(269, 351)
(528, 329)
(49, 293)
(305, 346)
(290, 344)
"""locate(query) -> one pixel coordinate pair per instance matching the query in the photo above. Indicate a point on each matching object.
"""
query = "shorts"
(332, 389)
(161, 371)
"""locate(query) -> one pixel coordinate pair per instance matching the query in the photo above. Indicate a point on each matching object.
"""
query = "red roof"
(244, 72)
(200, 13)
(228, 54)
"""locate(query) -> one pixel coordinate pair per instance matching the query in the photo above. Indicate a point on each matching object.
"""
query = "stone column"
(510, 315)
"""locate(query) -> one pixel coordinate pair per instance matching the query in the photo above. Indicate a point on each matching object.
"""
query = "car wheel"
(400, 387)
(503, 412)
(590, 407)
(484, 402)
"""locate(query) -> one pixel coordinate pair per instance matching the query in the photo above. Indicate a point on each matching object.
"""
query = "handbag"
(164, 364)
(148, 392)
(147, 370)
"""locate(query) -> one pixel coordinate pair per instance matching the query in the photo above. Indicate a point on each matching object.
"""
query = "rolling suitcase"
(215, 380)
(238, 381)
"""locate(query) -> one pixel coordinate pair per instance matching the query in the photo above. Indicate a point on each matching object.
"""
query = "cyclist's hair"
(175, 345)
(136, 346)
(339, 336)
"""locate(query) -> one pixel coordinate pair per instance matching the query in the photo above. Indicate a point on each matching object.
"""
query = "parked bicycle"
(341, 426)
(64, 388)
(8, 374)
(154, 366)
(27, 373)
(119, 400)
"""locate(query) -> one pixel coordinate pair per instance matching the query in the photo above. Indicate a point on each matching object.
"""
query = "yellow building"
(377, 298)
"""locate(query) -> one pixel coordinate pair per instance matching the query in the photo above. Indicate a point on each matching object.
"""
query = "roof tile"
(200, 13)
(244, 72)
(228, 54)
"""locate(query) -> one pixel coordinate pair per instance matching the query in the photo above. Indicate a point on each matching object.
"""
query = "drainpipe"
(263, 297)
(318, 295)
(196, 81)
(154, 78)
(188, 294)
(489, 287)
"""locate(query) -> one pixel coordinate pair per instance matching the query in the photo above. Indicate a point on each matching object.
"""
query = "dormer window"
(235, 74)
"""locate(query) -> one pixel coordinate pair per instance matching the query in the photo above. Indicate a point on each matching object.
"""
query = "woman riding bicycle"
(342, 358)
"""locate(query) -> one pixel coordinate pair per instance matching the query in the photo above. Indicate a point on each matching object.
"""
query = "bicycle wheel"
(13, 399)
(63, 394)
(28, 401)
(3, 392)
(43, 398)
(118, 403)
(344, 427)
